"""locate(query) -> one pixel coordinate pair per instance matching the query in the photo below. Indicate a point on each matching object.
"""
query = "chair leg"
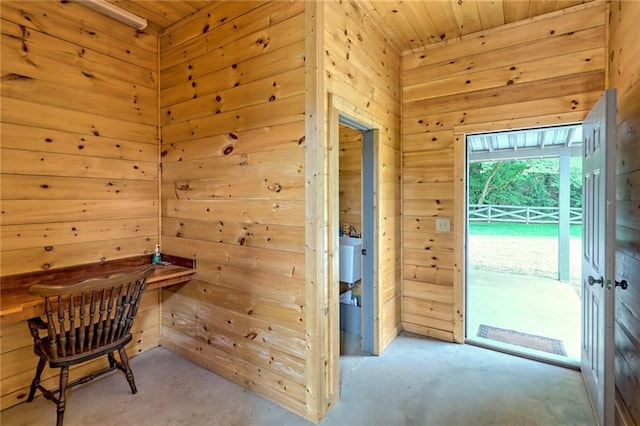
(112, 360)
(36, 380)
(62, 402)
(127, 370)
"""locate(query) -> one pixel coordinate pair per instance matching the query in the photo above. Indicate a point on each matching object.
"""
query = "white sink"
(350, 259)
(350, 241)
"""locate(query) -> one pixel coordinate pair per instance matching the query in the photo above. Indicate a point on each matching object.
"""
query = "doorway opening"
(524, 228)
(356, 241)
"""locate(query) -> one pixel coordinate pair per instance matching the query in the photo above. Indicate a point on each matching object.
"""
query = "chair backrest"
(89, 314)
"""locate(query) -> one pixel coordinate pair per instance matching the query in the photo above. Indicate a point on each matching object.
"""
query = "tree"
(533, 182)
(493, 177)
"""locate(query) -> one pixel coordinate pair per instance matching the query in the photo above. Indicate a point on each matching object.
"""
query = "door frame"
(367, 207)
(460, 203)
(342, 111)
(561, 155)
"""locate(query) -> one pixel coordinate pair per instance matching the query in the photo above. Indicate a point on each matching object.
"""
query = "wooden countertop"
(16, 304)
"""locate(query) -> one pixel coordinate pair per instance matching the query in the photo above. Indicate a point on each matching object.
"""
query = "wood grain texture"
(233, 193)
(353, 43)
(563, 21)
(159, 13)
(414, 25)
(320, 297)
(490, 80)
(184, 84)
(350, 178)
(624, 75)
(79, 161)
(61, 149)
(407, 25)
(211, 16)
(243, 186)
(86, 28)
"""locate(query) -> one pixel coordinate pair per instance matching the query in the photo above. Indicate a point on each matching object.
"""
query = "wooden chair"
(84, 321)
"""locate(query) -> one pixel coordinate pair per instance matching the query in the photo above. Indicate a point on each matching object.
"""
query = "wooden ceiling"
(408, 24)
(161, 13)
(411, 24)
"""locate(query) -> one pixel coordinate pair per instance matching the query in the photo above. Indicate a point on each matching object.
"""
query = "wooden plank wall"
(350, 177)
(545, 70)
(79, 155)
(233, 193)
(624, 75)
(353, 44)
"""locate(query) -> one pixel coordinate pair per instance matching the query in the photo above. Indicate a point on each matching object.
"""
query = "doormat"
(531, 341)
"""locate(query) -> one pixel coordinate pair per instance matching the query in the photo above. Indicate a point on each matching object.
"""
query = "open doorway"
(356, 241)
(341, 112)
(523, 221)
(350, 240)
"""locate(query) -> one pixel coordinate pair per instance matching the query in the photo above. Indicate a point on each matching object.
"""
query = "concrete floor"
(416, 381)
(533, 305)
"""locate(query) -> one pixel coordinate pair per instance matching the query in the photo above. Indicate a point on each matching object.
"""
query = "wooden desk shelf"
(16, 304)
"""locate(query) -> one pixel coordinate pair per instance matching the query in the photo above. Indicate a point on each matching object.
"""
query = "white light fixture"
(116, 13)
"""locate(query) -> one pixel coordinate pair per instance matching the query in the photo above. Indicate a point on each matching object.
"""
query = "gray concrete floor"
(528, 304)
(416, 381)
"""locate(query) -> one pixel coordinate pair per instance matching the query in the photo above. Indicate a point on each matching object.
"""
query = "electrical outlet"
(443, 225)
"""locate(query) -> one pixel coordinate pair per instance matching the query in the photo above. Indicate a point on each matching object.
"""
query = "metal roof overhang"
(524, 144)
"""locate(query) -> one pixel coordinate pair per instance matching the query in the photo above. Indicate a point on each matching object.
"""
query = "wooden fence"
(521, 214)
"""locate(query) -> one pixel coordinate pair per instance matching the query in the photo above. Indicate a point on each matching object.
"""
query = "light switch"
(443, 225)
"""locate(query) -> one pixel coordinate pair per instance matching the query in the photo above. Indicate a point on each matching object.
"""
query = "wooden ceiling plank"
(394, 16)
(421, 22)
(418, 28)
(444, 19)
(176, 10)
(515, 10)
(153, 11)
(429, 32)
(467, 15)
(198, 4)
(540, 7)
(372, 12)
(179, 8)
(491, 13)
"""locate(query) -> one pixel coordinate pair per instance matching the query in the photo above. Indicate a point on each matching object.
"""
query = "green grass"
(521, 229)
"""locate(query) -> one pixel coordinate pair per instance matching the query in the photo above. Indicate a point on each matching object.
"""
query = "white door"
(598, 240)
